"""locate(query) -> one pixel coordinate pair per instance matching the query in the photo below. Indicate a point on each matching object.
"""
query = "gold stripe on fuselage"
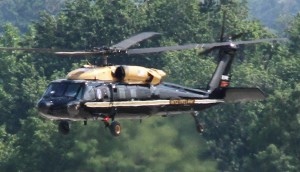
(153, 103)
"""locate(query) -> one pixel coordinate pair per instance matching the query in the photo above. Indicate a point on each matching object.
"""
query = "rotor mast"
(104, 60)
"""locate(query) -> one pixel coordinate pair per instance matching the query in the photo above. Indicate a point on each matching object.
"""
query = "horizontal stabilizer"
(234, 95)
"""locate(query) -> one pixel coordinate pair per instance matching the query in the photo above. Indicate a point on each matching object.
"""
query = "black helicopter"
(114, 92)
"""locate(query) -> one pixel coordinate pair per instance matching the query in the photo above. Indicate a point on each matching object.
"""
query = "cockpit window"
(72, 90)
(63, 90)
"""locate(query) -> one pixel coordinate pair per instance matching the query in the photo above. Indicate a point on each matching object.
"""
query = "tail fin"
(218, 86)
(220, 78)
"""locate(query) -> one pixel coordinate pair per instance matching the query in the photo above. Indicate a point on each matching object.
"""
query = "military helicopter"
(111, 92)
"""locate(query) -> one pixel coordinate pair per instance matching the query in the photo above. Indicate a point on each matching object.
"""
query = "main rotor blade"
(134, 40)
(197, 46)
(257, 41)
(163, 49)
(41, 50)
(79, 53)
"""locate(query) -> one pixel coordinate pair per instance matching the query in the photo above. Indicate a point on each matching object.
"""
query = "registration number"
(182, 101)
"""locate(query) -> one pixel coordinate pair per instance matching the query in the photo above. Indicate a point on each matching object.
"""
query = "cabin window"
(99, 94)
(102, 93)
(89, 93)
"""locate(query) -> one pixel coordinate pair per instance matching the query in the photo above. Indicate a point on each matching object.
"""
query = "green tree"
(38, 146)
(276, 15)
(20, 82)
(21, 12)
(238, 136)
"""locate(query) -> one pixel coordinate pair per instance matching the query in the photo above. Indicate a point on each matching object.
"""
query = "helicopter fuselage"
(109, 92)
(82, 99)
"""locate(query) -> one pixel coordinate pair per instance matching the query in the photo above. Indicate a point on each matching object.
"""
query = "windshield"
(63, 90)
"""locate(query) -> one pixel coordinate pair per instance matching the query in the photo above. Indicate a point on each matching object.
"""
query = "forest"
(255, 136)
(275, 14)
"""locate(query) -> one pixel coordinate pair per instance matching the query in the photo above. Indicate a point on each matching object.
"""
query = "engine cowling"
(138, 75)
(126, 74)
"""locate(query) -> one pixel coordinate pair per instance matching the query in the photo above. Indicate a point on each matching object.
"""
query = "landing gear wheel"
(199, 128)
(64, 127)
(115, 128)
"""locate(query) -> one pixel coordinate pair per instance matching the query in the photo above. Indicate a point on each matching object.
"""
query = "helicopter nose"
(62, 107)
(44, 106)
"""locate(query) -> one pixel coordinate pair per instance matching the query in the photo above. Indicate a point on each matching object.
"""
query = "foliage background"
(260, 136)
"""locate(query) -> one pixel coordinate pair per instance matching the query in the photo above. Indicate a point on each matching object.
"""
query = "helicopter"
(111, 92)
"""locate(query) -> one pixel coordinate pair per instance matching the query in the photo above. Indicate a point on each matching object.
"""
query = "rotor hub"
(231, 48)
(109, 50)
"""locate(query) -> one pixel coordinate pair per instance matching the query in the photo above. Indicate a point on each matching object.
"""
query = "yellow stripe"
(148, 103)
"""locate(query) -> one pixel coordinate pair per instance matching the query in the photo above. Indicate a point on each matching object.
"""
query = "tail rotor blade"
(223, 27)
(237, 36)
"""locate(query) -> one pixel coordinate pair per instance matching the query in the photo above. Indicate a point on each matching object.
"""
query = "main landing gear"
(64, 127)
(114, 126)
(199, 126)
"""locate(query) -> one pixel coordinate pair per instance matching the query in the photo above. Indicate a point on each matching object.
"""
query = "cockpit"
(62, 97)
(66, 89)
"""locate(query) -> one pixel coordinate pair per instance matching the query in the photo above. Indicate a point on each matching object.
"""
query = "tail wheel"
(200, 128)
(115, 128)
(64, 127)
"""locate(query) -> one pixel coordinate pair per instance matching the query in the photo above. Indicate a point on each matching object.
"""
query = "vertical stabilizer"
(220, 77)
